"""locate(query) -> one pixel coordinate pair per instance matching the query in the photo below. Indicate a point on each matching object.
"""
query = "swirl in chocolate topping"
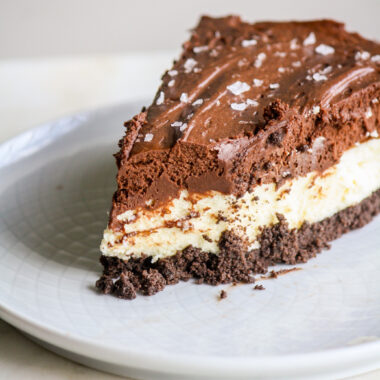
(245, 104)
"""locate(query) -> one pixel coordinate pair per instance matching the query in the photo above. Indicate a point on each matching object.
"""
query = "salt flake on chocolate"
(362, 55)
(257, 82)
(368, 113)
(173, 73)
(260, 59)
(324, 49)
(374, 134)
(273, 86)
(326, 70)
(252, 102)
(376, 58)
(238, 87)
(198, 102)
(199, 49)
(184, 98)
(246, 43)
(161, 98)
(189, 65)
(310, 40)
(294, 44)
(238, 106)
(171, 83)
(319, 77)
(148, 137)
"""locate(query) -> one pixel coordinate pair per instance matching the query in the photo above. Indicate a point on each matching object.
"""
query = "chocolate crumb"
(272, 274)
(280, 272)
(258, 287)
(223, 294)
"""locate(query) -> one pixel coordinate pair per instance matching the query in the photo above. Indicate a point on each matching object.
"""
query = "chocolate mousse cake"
(261, 146)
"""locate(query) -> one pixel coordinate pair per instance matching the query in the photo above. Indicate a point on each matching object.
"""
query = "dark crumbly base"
(278, 244)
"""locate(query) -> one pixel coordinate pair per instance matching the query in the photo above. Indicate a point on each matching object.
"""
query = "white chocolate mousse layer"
(200, 219)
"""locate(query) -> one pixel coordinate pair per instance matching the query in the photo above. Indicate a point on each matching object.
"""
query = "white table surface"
(35, 91)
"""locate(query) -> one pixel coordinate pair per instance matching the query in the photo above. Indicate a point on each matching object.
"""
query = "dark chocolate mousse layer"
(247, 104)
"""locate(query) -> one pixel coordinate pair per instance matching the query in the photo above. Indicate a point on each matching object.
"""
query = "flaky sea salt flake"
(246, 43)
(184, 98)
(260, 59)
(324, 49)
(319, 77)
(362, 55)
(161, 98)
(257, 82)
(238, 87)
(294, 44)
(368, 113)
(148, 137)
(238, 106)
(252, 102)
(189, 65)
(200, 49)
(326, 70)
(198, 102)
(273, 86)
(310, 39)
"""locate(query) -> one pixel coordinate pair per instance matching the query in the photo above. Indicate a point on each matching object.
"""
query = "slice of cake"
(260, 147)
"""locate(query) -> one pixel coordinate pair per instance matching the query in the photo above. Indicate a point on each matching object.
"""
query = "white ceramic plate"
(55, 190)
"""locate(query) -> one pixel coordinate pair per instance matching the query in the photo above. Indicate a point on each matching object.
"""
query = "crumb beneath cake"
(258, 287)
(280, 272)
(223, 294)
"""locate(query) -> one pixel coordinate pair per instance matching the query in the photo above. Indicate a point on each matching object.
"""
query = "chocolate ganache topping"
(248, 104)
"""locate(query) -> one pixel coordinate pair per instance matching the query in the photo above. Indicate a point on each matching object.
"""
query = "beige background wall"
(30, 28)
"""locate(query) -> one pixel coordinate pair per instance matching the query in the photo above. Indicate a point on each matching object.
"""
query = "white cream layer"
(201, 221)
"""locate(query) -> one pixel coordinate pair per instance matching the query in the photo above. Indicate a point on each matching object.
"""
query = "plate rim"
(364, 354)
